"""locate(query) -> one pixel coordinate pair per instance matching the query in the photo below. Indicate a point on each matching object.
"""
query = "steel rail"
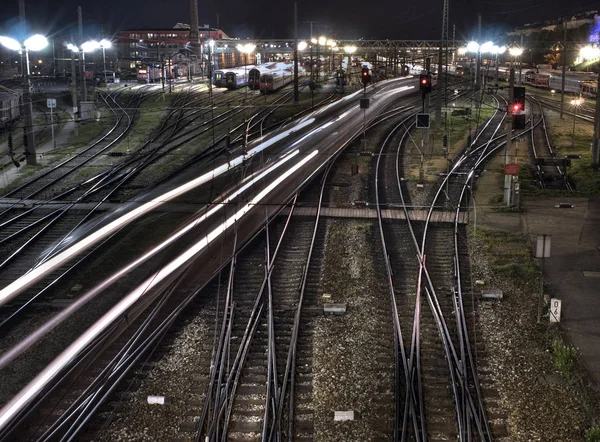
(398, 338)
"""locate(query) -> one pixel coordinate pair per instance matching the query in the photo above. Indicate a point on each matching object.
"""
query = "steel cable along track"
(547, 176)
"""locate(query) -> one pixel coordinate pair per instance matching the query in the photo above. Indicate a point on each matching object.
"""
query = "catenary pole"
(296, 92)
(563, 56)
(30, 153)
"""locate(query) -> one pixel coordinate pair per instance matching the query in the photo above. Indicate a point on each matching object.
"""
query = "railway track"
(34, 235)
(278, 411)
(547, 176)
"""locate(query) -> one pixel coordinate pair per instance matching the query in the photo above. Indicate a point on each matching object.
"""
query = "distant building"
(586, 18)
(137, 48)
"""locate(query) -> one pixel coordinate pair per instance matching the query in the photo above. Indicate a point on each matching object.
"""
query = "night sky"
(391, 19)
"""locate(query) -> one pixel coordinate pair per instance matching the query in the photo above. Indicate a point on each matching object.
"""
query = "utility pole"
(596, 141)
(312, 75)
(194, 37)
(441, 81)
(508, 180)
(426, 105)
(82, 58)
(453, 44)
(520, 60)
(564, 70)
(296, 91)
(29, 141)
(478, 60)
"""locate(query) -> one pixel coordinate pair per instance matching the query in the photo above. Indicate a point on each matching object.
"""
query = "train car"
(572, 85)
(573, 80)
(503, 73)
(10, 105)
(274, 81)
(340, 77)
(461, 71)
(218, 78)
(255, 73)
(541, 81)
(148, 74)
(237, 77)
(589, 88)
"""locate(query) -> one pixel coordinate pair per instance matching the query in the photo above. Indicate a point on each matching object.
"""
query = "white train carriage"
(275, 80)
(237, 77)
(589, 88)
(572, 85)
(218, 78)
(255, 73)
(10, 105)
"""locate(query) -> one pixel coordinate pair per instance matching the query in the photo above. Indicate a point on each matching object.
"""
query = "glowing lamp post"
(105, 44)
(246, 49)
(575, 103)
(349, 50)
(88, 46)
(36, 42)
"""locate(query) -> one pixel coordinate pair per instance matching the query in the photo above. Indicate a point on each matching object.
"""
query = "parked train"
(274, 81)
(148, 74)
(251, 75)
(575, 83)
(237, 77)
(254, 76)
(10, 105)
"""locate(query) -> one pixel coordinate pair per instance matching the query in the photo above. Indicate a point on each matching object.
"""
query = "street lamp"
(349, 50)
(36, 42)
(105, 44)
(246, 49)
(321, 41)
(88, 46)
(576, 102)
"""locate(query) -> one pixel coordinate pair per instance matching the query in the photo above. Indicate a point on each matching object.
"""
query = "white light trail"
(15, 405)
(32, 338)
(20, 284)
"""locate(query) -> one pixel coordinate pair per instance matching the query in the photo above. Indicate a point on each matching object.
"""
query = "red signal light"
(516, 107)
(424, 81)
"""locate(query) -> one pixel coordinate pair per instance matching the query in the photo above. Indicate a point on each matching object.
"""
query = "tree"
(553, 58)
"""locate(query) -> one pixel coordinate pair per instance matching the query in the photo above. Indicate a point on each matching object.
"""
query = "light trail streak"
(17, 403)
(32, 338)
(20, 284)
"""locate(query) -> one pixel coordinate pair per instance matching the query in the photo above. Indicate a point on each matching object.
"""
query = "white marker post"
(51, 103)
(542, 251)
(555, 309)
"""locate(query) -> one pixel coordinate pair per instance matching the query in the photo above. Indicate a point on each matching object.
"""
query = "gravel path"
(346, 347)
(541, 404)
(172, 376)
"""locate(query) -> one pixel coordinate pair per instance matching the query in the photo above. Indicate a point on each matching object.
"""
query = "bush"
(564, 358)
(593, 434)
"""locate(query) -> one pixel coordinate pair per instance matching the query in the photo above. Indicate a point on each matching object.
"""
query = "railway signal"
(425, 83)
(365, 76)
(518, 121)
(519, 98)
